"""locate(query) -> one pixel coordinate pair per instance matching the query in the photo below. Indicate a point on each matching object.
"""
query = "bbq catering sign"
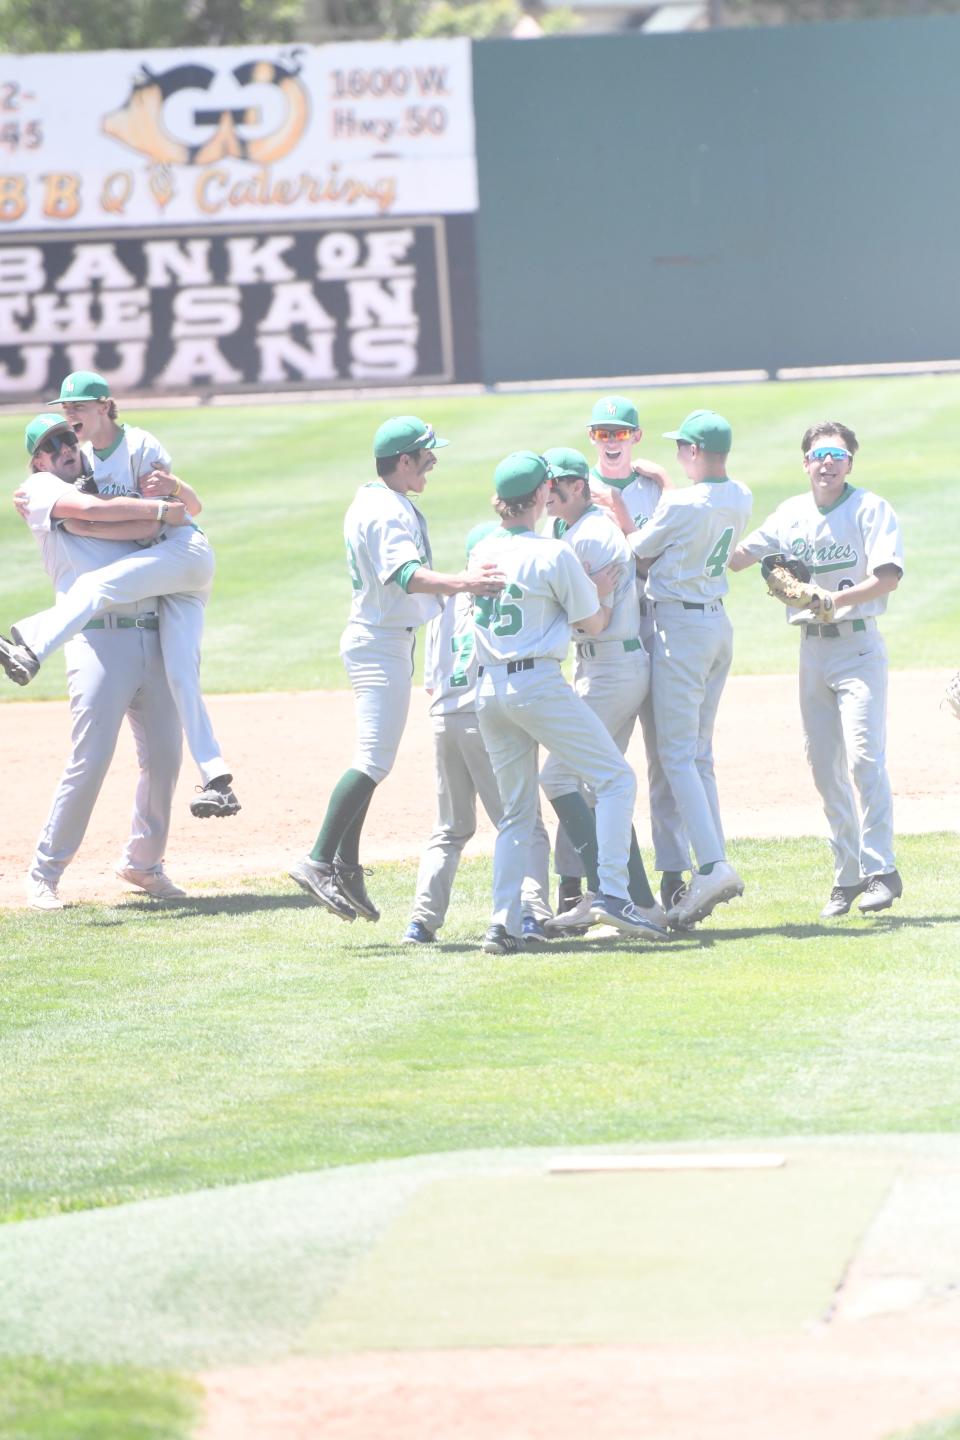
(236, 136)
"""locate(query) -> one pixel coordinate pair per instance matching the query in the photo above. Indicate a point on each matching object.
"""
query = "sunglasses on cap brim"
(62, 440)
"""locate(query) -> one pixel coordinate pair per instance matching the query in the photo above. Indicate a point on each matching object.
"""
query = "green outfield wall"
(734, 199)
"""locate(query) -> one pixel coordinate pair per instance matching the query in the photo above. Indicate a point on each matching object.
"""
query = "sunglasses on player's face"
(600, 432)
(829, 452)
(65, 440)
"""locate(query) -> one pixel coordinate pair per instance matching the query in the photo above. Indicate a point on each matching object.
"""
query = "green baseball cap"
(480, 532)
(566, 464)
(519, 474)
(404, 434)
(704, 428)
(40, 427)
(615, 410)
(82, 385)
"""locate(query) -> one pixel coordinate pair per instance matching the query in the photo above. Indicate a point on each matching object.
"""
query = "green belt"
(126, 622)
(589, 649)
(831, 632)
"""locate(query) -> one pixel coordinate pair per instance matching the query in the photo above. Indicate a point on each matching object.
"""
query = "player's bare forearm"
(122, 530)
(117, 509)
(883, 582)
(594, 624)
(163, 485)
(486, 580)
(741, 559)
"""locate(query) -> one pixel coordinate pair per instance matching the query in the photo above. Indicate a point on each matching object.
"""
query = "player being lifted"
(688, 544)
(850, 541)
(177, 566)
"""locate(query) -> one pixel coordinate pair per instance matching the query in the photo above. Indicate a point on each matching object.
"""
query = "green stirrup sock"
(707, 869)
(638, 886)
(349, 848)
(580, 823)
(351, 792)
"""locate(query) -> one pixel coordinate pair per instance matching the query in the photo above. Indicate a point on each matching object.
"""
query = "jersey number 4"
(499, 612)
(719, 555)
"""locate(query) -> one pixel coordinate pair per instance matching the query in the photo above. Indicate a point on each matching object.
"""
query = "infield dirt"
(287, 751)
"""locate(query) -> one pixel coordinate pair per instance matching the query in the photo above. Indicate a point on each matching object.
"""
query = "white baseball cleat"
(628, 918)
(155, 883)
(704, 893)
(576, 919)
(42, 895)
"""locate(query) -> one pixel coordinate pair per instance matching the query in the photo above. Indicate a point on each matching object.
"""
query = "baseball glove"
(951, 696)
(789, 581)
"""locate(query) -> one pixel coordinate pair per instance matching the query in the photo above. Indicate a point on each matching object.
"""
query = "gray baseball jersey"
(384, 531)
(842, 545)
(843, 669)
(546, 591)
(111, 672)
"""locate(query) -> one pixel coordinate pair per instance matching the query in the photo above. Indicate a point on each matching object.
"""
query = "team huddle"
(633, 572)
(610, 557)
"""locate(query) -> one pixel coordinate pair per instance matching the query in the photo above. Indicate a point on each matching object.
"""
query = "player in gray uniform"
(522, 638)
(850, 540)
(464, 772)
(178, 567)
(611, 675)
(114, 668)
(395, 591)
(688, 543)
(631, 487)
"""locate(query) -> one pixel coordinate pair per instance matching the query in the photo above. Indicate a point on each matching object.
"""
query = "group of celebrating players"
(610, 556)
(633, 571)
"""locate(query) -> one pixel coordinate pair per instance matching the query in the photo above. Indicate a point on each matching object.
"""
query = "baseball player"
(114, 668)
(395, 591)
(850, 540)
(178, 567)
(631, 489)
(464, 772)
(688, 544)
(611, 675)
(523, 701)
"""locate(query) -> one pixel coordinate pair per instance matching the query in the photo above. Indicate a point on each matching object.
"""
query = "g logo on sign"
(257, 112)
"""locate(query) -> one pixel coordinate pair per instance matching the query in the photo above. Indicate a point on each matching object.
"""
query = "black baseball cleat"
(317, 878)
(879, 893)
(841, 898)
(18, 661)
(216, 798)
(350, 880)
(498, 942)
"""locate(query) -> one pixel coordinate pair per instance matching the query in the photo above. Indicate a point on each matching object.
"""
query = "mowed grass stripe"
(158, 1050)
(276, 481)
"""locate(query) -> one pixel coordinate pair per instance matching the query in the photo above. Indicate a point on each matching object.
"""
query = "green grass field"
(277, 479)
(245, 1035)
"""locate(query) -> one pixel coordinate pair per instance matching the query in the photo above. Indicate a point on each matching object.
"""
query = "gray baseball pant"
(111, 674)
(464, 772)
